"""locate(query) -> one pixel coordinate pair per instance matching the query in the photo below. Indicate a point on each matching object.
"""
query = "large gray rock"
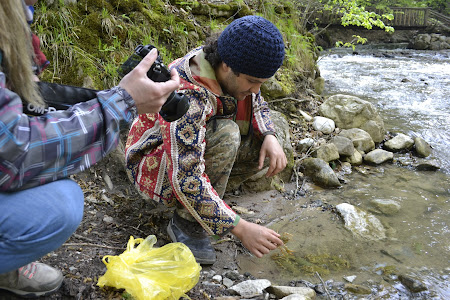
(324, 125)
(361, 223)
(284, 291)
(412, 283)
(422, 42)
(427, 165)
(344, 145)
(378, 156)
(327, 152)
(251, 288)
(273, 88)
(355, 159)
(320, 172)
(423, 149)
(375, 129)
(399, 142)
(353, 112)
(361, 140)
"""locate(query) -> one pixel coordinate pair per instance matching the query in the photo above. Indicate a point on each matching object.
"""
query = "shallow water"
(411, 90)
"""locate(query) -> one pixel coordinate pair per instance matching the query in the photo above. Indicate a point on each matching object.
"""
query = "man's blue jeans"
(37, 221)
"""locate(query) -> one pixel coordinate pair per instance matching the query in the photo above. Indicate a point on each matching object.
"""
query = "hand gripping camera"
(176, 104)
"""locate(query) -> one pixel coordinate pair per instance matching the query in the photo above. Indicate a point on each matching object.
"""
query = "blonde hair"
(15, 44)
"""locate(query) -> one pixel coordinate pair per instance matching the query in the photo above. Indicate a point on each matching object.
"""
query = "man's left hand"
(277, 159)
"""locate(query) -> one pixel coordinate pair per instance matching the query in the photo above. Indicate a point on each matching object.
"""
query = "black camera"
(176, 104)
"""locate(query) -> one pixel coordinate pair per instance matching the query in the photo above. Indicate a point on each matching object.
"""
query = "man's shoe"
(194, 237)
(33, 280)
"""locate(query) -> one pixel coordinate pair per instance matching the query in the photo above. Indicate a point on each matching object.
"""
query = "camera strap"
(59, 97)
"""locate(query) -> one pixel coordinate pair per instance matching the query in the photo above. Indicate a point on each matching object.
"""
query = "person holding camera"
(40, 207)
(226, 133)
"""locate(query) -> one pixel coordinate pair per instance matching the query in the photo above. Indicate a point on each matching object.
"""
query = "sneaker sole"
(31, 294)
(199, 260)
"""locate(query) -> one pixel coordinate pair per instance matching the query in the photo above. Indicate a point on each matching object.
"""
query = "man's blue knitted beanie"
(253, 46)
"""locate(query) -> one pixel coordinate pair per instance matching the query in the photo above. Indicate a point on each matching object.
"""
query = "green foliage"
(346, 13)
(441, 6)
(87, 41)
(215, 25)
(301, 53)
(392, 3)
(354, 14)
(352, 44)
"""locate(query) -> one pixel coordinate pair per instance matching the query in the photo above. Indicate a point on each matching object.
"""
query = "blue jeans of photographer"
(37, 221)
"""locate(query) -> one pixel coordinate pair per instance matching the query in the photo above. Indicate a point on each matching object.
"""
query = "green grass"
(86, 42)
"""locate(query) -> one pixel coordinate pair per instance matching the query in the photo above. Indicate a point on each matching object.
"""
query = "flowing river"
(411, 90)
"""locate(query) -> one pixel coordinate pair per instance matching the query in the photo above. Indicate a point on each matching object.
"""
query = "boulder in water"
(361, 223)
(320, 172)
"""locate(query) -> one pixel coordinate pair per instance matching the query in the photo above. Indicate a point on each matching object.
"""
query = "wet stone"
(387, 207)
(413, 284)
(428, 165)
(350, 278)
(423, 149)
(357, 289)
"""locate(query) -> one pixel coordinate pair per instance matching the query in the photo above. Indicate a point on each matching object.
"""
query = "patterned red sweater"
(165, 160)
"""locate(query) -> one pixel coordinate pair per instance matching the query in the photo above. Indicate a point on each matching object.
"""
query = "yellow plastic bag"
(145, 272)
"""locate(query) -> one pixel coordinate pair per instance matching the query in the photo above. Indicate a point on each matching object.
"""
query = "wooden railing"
(407, 16)
(403, 17)
(440, 17)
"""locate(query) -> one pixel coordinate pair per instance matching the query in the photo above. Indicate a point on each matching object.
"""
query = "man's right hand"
(258, 239)
(149, 96)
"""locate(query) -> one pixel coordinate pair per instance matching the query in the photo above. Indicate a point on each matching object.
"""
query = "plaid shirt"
(38, 150)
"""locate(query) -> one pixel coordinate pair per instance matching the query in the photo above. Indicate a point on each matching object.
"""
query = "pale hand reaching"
(277, 159)
(258, 239)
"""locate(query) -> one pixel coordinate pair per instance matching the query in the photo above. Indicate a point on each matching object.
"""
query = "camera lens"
(175, 107)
